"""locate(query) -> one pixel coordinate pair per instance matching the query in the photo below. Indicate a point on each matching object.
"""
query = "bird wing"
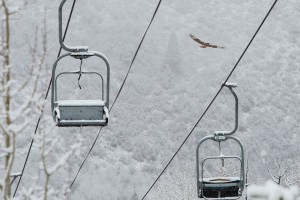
(198, 40)
(204, 44)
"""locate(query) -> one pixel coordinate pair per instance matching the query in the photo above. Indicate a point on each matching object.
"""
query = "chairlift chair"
(217, 188)
(79, 112)
(220, 187)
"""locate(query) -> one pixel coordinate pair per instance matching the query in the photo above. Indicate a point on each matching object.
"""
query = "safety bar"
(61, 41)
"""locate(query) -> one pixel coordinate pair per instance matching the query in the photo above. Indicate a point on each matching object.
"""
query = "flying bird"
(204, 44)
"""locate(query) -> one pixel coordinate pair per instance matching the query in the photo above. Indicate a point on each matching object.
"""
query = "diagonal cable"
(119, 92)
(217, 94)
(136, 53)
(46, 96)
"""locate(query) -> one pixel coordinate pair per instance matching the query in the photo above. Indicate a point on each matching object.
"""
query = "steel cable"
(119, 92)
(214, 98)
(46, 96)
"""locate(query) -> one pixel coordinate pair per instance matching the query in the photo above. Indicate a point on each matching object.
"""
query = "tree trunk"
(9, 138)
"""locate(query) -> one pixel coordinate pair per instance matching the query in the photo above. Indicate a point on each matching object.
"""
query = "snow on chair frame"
(221, 187)
(79, 112)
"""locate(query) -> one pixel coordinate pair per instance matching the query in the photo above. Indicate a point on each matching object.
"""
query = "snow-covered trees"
(177, 184)
(15, 107)
(284, 172)
(50, 162)
(21, 85)
(172, 83)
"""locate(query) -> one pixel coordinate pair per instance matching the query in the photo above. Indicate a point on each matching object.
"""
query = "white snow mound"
(272, 191)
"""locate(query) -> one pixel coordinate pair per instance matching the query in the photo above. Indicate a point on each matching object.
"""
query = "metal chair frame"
(80, 55)
(221, 136)
(83, 113)
(80, 72)
(200, 168)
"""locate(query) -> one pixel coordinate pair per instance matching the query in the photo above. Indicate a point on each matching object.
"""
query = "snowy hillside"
(169, 87)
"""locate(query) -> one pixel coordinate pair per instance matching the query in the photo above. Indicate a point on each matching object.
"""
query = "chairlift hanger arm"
(231, 86)
(65, 47)
(220, 134)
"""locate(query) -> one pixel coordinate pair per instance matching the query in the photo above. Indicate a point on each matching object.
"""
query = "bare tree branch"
(275, 179)
(49, 171)
(35, 76)
(5, 131)
(8, 114)
(281, 171)
(25, 83)
(8, 137)
(22, 7)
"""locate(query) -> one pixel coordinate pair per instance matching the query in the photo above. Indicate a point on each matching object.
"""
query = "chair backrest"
(81, 55)
(61, 75)
(221, 158)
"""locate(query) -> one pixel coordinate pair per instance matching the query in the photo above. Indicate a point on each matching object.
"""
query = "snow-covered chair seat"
(220, 187)
(80, 113)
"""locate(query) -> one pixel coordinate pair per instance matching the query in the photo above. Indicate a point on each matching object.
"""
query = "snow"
(80, 103)
(169, 87)
(82, 121)
(16, 174)
(272, 191)
(221, 179)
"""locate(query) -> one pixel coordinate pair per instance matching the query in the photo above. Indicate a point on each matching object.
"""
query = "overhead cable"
(212, 101)
(119, 92)
(46, 96)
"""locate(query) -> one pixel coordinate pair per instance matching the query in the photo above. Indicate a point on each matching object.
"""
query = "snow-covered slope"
(169, 87)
